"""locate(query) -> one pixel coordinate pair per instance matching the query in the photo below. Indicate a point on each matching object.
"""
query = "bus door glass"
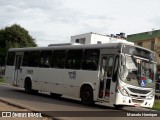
(105, 76)
(18, 69)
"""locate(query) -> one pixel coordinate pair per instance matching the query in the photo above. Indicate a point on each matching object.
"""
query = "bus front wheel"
(87, 95)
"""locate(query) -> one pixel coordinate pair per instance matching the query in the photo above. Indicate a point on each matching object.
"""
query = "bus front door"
(106, 77)
(18, 69)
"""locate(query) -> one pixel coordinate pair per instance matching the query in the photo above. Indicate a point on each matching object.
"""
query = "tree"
(14, 36)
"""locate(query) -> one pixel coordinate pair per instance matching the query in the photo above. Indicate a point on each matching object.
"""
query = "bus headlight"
(123, 91)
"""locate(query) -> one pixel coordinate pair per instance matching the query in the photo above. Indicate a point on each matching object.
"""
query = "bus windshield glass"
(139, 67)
(138, 72)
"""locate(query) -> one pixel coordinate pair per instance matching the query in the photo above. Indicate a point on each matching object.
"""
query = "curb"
(3, 83)
(21, 106)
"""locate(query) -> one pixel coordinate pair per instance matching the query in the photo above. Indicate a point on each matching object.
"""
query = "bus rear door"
(18, 69)
(105, 90)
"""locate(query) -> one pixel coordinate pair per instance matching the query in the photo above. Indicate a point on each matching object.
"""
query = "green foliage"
(14, 36)
(2, 80)
(156, 105)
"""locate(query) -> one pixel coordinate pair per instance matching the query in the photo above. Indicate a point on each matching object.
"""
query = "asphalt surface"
(64, 108)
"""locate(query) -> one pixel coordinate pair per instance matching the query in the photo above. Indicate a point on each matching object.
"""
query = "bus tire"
(118, 107)
(28, 86)
(87, 95)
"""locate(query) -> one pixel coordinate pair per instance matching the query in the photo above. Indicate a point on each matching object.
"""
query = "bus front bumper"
(126, 100)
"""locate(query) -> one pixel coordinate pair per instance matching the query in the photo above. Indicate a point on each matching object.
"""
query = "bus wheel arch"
(28, 85)
(86, 94)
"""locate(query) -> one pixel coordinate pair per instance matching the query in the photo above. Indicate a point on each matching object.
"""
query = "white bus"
(117, 73)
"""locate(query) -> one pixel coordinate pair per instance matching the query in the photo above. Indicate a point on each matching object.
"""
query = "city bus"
(116, 73)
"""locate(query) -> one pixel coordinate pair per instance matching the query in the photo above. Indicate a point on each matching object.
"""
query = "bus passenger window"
(90, 59)
(59, 59)
(25, 59)
(74, 59)
(34, 59)
(45, 59)
(10, 58)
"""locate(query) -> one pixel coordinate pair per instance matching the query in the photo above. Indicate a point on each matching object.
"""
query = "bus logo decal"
(72, 75)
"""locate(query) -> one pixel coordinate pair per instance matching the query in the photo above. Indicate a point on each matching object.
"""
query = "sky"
(55, 21)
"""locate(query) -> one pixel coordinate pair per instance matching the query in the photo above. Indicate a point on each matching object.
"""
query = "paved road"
(44, 102)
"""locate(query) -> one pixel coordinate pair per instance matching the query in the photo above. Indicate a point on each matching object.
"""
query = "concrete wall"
(94, 38)
(157, 43)
(87, 36)
(147, 44)
(101, 38)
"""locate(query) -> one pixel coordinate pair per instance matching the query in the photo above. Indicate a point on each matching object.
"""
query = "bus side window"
(25, 59)
(74, 59)
(10, 58)
(34, 58)
(45, 59)
(90, 59)
(58, 58)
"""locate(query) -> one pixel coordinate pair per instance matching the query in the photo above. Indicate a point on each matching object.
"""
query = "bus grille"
(139, 91)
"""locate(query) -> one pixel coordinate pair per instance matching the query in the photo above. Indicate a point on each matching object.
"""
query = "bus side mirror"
(123, 60)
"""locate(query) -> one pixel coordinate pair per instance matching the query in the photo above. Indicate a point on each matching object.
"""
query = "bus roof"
(64, 47)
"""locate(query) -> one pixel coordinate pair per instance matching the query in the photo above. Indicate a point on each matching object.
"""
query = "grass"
(156, 105)
(2, 80)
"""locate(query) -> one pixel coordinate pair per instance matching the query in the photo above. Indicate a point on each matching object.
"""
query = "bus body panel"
(59, 80)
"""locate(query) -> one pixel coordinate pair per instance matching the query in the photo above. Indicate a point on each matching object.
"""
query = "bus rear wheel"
(28, 86)
(87, 95)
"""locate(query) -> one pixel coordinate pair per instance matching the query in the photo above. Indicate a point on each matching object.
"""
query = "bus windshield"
(138, 72)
